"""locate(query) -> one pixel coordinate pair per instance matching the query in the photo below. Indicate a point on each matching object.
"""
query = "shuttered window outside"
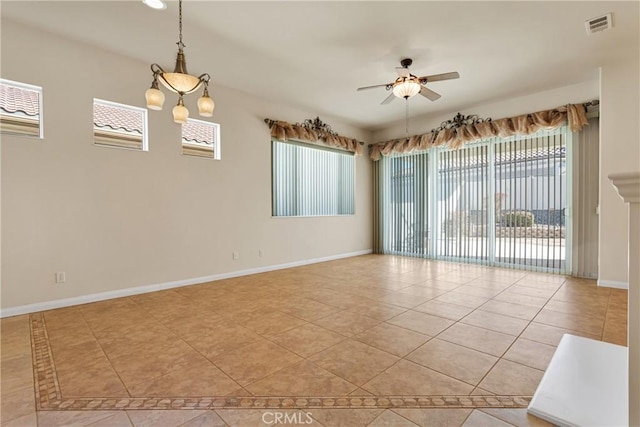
(201, 139)
(20, 109)
(311, 181)
(119, 126)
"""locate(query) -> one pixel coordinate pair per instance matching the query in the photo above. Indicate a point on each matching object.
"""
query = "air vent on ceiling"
(598, 24)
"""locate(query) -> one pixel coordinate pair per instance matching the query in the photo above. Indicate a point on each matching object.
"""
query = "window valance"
(312, 131)
(466, 131)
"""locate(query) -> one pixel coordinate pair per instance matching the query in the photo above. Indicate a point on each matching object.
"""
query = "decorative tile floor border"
(49, 397)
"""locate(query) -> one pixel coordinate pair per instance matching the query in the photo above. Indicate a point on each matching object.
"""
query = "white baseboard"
(119, 293)
(613, 284)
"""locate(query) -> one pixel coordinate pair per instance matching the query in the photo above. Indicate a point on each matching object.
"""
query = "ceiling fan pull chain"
(406, 117)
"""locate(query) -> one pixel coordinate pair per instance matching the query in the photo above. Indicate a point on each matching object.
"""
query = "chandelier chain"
(180, 44)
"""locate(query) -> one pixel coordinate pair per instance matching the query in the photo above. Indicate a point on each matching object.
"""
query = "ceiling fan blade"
(374, 86)
(402, 72)
(388, 99)
(428, 93)
(440, 77)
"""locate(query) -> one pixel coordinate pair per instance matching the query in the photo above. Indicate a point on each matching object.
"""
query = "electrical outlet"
(61, 277)
(260, 253)
(236, 255)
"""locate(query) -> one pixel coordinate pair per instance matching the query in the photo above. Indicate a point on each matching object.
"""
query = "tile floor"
(358, 335)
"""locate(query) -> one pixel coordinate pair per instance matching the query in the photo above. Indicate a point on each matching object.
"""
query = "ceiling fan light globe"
(406, 89)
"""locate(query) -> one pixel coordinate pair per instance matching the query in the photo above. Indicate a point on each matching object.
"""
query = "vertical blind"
(311, 181)
(498, 202)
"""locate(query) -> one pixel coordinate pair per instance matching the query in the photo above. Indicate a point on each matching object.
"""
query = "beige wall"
(114, 219)
(619, 152)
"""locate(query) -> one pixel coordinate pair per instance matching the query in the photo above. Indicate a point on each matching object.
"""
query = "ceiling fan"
(408, 85)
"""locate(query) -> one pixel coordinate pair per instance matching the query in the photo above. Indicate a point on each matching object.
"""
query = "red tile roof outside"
(117, 118)
(198, 132)
(15, 100)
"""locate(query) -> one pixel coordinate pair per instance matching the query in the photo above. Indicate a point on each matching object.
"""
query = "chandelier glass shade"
(181, 82)
(406, 87)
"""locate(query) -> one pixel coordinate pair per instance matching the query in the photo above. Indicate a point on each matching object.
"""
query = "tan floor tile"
(516, 298)
(72, 418)
(444, 309)
(29, 420)
(591, 308)
(482, 419)
(360, 392)
(410, 378)
(481, 392)
(477, 291)
(144, 418)
(379, 311)
(301, 379)
(453, 360)
(189, 381)
(496, 322)
(551, 335)
(390, 419)
(119, 419)
(307, 340)
(401, 299)
(254, 361)
(392, 339)
(435, 417)
(310, 310)
(530, 353)
(516, 417)
(347, 323)
(154, 362)
(345, 417)
(462, 299)
(354, 361)
(421, 322)
(264, 417)
(532, 291)
(227, 337)
(99, 381)
(589, 325)
(518, 311)
(272, 323)
(423, 291)
(484, 340)
(16, 374)
(208, 419)
(16, 405)
(509, 378)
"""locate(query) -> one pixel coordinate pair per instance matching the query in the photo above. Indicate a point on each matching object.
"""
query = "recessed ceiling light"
(155, 4)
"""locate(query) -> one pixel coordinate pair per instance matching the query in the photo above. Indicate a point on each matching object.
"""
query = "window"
(499, 202)
(201, 139)
(312, 181)
(20, 109)
(119, 126)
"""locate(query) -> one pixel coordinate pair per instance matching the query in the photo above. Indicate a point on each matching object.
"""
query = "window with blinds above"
(311, 180)
(20, 109)
(119, 126)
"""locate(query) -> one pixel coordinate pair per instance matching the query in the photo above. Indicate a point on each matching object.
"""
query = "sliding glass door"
(497, 202)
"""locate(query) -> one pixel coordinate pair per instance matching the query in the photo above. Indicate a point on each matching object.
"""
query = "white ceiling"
(315, 54)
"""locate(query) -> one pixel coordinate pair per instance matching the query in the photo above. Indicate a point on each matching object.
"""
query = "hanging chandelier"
(180, 82)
